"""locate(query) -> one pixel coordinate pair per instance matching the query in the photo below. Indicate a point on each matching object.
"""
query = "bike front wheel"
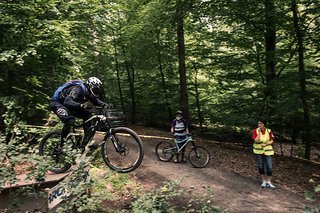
(51, 150)
(165, 151)
(199, 157)
(122, 151)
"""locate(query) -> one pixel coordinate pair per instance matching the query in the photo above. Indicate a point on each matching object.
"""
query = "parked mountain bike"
(198, 156)
(121, 147)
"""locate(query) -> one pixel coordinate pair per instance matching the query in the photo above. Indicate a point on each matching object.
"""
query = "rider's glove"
(84, 106)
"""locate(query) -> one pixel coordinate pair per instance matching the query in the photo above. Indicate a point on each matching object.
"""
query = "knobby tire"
(108, 150)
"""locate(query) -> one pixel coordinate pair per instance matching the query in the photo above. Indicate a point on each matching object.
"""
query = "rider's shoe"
(93, 146)
(183, 160)
(264, 184)
(270, 185)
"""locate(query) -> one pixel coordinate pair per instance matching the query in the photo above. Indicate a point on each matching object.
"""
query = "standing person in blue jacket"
(179, 128)
(69, 101)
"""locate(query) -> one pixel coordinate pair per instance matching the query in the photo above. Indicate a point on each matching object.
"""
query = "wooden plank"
(50, 177)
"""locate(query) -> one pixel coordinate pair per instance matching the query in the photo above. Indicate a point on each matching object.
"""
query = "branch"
(307, 26)
(258, 62)
(289, 59)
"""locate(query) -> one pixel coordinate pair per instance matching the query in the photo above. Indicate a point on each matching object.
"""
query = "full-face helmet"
(94, 85)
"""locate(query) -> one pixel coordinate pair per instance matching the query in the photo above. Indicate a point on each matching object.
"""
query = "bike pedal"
(93, 146)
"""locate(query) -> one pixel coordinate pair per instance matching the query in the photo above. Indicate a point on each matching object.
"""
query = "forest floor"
(230, 180)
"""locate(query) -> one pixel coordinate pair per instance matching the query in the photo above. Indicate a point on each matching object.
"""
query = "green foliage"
(78, 198)
(16, 152)
(162, 200)
(202, 205)
(158, 201)
(10, 113)
(131, 46)
(311, 197)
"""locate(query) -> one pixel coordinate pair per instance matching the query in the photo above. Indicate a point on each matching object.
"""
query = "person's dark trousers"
(85, 115)
(67, 116)
(264, 161)
(183, 159)
(180, 140)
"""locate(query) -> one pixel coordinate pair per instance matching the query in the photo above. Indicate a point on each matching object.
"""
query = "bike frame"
(185, 141)
(98, 118)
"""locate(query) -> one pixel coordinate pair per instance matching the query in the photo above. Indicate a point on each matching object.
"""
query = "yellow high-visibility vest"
(264, 138)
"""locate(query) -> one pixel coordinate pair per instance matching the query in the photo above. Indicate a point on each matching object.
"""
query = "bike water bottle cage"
(57, 94)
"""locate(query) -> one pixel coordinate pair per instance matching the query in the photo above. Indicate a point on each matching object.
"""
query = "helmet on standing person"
(94, 85)
(179, 115)
(179, 112)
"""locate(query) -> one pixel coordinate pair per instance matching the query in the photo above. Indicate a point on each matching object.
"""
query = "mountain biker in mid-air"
(69, 101)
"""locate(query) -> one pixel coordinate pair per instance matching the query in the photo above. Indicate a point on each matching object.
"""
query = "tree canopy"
(224, 63)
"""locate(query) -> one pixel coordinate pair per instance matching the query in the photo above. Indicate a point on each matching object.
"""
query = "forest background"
(224, 63)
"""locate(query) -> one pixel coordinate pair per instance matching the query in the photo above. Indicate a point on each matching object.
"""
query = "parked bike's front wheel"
(199, 157)
(165, 151)
(50, 148)
(122, 151)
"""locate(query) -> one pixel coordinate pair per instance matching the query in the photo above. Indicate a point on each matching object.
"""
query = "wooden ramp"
(23, 181)
(29, 203)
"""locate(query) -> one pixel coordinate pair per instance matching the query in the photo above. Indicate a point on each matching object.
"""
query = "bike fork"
(115, 142)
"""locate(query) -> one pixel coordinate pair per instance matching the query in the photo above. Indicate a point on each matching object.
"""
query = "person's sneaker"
(264, 184)
(183, 159)
(270, 186)
(176, 160)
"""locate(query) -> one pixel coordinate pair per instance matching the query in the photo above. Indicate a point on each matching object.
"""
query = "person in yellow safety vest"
(263, 150)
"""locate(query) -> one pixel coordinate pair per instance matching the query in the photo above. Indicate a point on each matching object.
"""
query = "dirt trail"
(227, 189)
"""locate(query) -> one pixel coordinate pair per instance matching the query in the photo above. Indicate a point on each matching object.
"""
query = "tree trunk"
(3, 69)
(270, 40)
(118, 76)
(302, 76)
(182, 63)
(119, 86)
(258, 61)
(198, 97)
(130, 74)
(164, 87)
(270, 57)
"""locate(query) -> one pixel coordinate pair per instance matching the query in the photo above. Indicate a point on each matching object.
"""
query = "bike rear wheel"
(122, 151)
(199, 157)
(51, 150)
(165, 151)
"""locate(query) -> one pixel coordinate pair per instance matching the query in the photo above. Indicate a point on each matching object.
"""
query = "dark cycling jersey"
(58, 95)
(72, 97)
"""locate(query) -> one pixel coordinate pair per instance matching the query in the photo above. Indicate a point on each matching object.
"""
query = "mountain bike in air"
(121, 147)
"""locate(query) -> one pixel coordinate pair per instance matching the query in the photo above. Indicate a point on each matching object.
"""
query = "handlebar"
(94, 117)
